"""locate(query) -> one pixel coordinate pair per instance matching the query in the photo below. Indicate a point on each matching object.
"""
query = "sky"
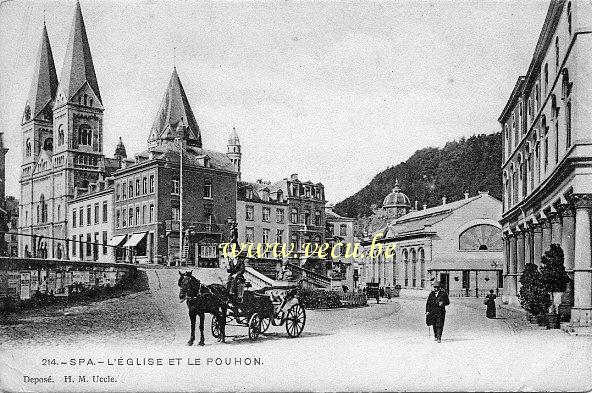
(333, 91)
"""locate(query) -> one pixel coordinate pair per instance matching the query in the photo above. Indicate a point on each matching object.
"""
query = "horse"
(202, 299)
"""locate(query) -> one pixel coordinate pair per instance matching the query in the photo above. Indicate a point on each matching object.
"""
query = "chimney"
(443, 200)
(294, 176)
(466, 195)
(425, 206)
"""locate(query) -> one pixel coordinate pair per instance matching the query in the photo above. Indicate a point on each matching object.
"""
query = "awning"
(135, 239)
(116, 240)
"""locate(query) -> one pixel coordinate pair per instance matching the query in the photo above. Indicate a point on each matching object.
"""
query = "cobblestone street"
(386, 344)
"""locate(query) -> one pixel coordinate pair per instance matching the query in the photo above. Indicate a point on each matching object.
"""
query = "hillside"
(468, 165)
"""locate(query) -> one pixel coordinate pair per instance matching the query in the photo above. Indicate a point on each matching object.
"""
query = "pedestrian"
(388, 296)
(490, 303)
(377, 294)
(436, 310)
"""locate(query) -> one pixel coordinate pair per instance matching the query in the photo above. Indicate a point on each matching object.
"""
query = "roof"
(396, 197)
(192, 155)
(233, 138)
(257, 188)
(330, 215)
(45, 80)
(78, 66)
(175, 118)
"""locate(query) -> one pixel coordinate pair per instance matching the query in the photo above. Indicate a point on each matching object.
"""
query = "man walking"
(436, 310)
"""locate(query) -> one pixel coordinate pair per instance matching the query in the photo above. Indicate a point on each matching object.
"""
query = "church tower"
(234, 151)
(37, 141)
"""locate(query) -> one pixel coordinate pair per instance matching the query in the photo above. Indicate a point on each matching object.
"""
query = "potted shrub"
(533, 297)
(554, 280)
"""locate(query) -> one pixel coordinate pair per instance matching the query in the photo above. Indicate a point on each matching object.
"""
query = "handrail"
(257, 280)
(303, 272)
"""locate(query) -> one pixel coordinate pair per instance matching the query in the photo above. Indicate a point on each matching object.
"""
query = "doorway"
(445, 281)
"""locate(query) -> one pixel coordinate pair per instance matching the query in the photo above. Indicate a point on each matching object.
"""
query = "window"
(105, 211)
(556, 142)
(546, 77)
(307, 216)
(307, 192)
(318, 218)
(249, 213)
(123, 218)
(516, 136)
(279, 236)
(280, 196)
(294, 216)
(406, 261)
(546, 152)
(88, 215)
(74, 245)
(318, 193)
(96, 213)
(556, 54)
(130, 217)
(568, 125)
(81, 245)
(88, 245)
(151, 213)
(74, 219)
(569, 17)
(144, 186)
(144, 212)
(343, 230)
(85, 135)
(138, 187)
(520, 116)
(249, 234)
(138, 221)
(124, 188)
(279, 216)
(265, 236)
(481, 237)
(117, 190)
(175, 213)
(117, 218)
(61, 135)
(59, 212)
(465, 279)
(266, 213)
(208, 251)
(207, 189)
(151, 184)
(28, 147)
(413, 267)
(130, 188)
(537, 97)
(294, 242)
(249, 193)
(175, 186)
(81, 218)
(422, 266)
(104, 242)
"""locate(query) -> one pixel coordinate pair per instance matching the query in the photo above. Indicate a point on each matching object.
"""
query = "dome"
(396, 198)
(233, 138)
(120, 150)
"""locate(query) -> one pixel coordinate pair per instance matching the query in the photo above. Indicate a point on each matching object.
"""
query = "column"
(537, 235)
(556, 228)
(546, 224)
(581, 313)
(519, 259)
(568, 245)
(513, 266)
(527, 244)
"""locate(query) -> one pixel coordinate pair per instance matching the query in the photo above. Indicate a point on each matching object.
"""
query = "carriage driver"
(236, 268)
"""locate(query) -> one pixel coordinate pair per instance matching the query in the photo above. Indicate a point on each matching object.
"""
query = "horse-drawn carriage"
(261, 308)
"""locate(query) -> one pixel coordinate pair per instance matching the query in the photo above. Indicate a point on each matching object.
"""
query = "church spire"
(175, 118)
(45, 80)
(78, 65)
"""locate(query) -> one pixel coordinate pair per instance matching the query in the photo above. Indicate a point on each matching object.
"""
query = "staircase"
(314, 279)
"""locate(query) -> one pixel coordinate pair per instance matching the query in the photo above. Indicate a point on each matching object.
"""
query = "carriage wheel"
(265, 324)
(254, 326)
(215, 327)
(295, 320)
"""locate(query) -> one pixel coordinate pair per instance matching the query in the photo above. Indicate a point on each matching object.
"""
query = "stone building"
(151, 196)
(340, 233)
(62, 144)
(547, 176)
(458, 243)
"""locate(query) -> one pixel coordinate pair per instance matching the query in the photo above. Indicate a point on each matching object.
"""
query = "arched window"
(414, 268)
(422, 267)
(145, 185)
(41, 212)
(481, 237)
(130, 217)
(85, 135)
(60, 135)
(48, 144)
(28, 147)
(406, 261)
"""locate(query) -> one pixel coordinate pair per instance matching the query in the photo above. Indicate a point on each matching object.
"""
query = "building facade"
(153, 197)
(90, 225)
(340, 233)
(547, 176)
(457, 243)
(62, 144)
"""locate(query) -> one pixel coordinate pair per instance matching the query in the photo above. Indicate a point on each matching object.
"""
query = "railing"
(313, 277)
(200, 227)
(353, 299)
(472, 292)
(257, 279)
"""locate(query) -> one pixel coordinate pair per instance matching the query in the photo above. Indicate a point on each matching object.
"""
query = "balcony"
(197, 227)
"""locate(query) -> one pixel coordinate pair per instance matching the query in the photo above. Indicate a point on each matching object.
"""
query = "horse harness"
(199, 292)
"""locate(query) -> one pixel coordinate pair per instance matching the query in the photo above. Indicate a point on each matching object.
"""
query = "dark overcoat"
(436, 308)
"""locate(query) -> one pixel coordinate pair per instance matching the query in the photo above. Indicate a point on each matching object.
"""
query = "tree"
(533, 296)
(553, 276)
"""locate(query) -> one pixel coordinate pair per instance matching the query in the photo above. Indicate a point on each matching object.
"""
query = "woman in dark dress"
(490, 302)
